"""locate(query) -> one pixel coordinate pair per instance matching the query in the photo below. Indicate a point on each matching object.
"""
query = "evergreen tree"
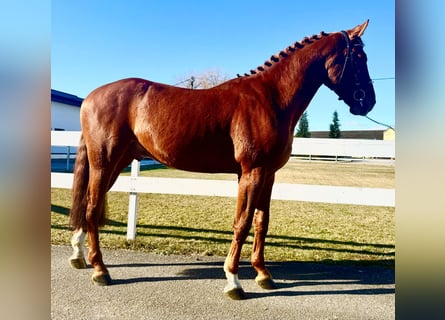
(334, 128)
(303, 127)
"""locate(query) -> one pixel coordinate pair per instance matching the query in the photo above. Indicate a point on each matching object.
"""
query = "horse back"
(211, 130)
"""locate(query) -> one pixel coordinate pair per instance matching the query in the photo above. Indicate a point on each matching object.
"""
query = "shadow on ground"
(287, 275)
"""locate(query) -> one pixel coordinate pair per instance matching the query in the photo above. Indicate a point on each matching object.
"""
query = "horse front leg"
(249, 186)
(261, 225)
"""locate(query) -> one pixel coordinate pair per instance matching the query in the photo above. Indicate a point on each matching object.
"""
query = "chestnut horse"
(243, 126)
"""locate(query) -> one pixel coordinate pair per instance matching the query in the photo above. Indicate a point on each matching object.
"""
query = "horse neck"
(296, 78)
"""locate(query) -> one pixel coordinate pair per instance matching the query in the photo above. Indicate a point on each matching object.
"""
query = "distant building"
(65, 111)
(65, 116)
(388, 134)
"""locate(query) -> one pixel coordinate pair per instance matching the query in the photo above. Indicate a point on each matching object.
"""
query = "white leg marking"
(232, 282)
(78, 244)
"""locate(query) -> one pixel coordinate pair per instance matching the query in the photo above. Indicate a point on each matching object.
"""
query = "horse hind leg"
(94, 215)
(101, 181)
(77, 259)
(94, 218)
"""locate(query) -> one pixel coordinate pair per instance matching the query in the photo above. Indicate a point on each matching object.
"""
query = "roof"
(62, 97)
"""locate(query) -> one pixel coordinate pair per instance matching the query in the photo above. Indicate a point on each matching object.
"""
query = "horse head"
(348, 72)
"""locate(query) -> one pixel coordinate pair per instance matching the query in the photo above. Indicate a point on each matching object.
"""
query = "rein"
(383, 124)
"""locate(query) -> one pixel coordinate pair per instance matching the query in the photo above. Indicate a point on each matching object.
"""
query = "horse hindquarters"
(101, 160)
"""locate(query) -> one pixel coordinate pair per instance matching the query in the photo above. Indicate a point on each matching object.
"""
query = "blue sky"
(96, 42)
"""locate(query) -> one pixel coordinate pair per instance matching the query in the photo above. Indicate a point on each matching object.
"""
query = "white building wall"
(64, 116)
(344, 147)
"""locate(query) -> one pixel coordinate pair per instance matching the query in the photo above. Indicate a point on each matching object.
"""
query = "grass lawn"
(354, 174)
(299, 231)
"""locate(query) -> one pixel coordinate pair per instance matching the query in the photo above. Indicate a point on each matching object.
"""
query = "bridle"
(358, 94)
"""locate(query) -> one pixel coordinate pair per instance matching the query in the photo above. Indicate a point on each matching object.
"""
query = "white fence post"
(133, 202)
(68, 156)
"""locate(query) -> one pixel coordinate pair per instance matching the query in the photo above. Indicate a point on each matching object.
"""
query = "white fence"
(312, 147)
(339, 148)
(281, 191)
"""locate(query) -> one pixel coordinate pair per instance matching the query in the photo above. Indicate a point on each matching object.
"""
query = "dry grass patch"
(305, 172)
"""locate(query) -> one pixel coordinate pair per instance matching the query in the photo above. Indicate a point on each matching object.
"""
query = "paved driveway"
(149, 286)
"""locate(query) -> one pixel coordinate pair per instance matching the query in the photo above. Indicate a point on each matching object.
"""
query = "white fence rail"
(295, 192)
(65, 138)
(301, 146)
(356, 148)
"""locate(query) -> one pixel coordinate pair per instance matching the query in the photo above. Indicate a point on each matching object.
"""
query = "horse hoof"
(101, 279)
(78, 263)
(236, 294)
(267, 284)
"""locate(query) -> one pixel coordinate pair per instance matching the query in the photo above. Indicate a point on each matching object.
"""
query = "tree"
(205, 80)
(303, 127)
(334, 128)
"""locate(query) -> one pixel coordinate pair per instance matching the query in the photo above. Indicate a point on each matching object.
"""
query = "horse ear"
(359, 30)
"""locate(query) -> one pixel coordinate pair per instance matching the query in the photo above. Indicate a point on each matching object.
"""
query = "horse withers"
(243, 126)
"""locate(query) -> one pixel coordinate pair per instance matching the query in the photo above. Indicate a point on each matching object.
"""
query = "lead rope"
(380, 123)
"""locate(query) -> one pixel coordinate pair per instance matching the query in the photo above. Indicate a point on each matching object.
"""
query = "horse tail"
(80, 188)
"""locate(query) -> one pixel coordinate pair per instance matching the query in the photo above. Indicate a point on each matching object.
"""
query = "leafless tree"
(205, 80)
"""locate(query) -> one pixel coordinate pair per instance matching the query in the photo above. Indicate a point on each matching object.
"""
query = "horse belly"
(213, 155)
(205, 159)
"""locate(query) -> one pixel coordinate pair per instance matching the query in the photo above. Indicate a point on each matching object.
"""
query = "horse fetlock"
(233, 289)
(232, 280)
(77, 259)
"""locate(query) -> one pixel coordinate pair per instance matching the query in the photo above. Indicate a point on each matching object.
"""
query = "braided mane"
(285, 53)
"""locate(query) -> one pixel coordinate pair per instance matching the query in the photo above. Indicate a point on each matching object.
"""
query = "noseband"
(358, 94)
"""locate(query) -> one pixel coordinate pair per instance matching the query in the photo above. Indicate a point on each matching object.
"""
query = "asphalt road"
(149, 286)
